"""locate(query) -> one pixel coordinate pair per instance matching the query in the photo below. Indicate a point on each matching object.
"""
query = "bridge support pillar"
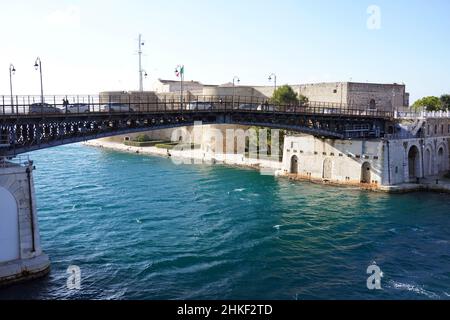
(21, 256)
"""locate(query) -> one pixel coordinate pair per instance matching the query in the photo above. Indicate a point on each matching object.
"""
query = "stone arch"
(366, 173)
(294, 165)
(9, 227)
(428, 161)
(327, 169)
(414, 162)
(441, 158)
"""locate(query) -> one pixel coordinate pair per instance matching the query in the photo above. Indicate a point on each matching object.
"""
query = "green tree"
(303, 99)
(284, 95)
(445, 101)
(429, 103)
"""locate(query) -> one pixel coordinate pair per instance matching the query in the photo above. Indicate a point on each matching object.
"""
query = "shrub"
(142, 138)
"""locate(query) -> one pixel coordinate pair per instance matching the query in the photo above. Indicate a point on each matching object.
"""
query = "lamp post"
(274, 77)
(236, 78)
(12, 71)
(144, 75)
(141, 72)
(38, 65)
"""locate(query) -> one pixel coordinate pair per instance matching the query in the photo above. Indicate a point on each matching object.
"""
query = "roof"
(176, 81)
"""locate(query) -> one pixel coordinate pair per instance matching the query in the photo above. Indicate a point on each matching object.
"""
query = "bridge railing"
(20, 160)
(82, 104)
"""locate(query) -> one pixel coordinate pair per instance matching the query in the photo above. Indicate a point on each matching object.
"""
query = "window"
(372, 104)
(335, 91)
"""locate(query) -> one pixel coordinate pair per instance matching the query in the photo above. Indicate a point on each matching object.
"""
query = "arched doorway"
(366, 174)
(414, 162)
(9, 227)
(440, 160)
(428, 162)
(327, 169)
(294, 165)
(372, 104)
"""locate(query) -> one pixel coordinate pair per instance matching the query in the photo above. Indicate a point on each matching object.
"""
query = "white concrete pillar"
(21, 256)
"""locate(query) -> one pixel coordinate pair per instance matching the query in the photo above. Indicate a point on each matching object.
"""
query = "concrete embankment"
(188, 156)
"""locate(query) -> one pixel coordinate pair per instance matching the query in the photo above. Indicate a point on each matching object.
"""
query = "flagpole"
(179, 71)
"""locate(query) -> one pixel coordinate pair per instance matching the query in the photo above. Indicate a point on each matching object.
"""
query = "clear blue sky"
(89, 46)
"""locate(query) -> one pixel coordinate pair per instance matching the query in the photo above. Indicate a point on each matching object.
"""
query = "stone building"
(374, 96)
(171, 86)
(391, 161)
(357, 95)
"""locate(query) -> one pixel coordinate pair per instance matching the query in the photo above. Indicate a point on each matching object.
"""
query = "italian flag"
(179, 71)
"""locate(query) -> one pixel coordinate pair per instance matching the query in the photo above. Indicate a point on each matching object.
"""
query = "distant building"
(375, 96)
(358, 95)
(171, 86)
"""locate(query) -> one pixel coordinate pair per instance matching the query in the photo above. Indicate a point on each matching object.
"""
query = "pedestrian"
(65, 104)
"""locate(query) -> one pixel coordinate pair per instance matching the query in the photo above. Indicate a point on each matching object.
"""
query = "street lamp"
(12, 71)
(38, 65)
(274, 77)
(145, 75)
(236, 78)
(141, 72)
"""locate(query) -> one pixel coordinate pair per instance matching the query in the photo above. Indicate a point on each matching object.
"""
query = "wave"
(413, 288)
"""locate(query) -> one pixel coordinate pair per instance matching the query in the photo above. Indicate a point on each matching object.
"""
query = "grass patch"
(133, 143)
(180, 146)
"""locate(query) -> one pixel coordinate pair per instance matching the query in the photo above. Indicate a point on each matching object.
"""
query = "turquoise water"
(143, 228)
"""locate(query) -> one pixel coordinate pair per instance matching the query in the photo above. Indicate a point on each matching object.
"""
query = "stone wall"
(387, 97)
(390, 162)
(337, 161)
(17, 185)
(238, 91)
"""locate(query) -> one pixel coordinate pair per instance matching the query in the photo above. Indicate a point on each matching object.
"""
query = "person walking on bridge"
(65, 104)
